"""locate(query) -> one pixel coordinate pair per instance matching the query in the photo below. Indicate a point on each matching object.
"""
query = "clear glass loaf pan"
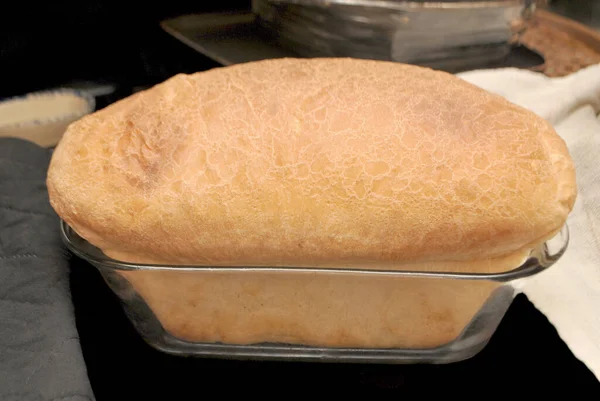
(326, 315)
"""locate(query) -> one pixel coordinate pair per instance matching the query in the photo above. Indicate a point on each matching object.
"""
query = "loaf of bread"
(315, 162)
(323, 310)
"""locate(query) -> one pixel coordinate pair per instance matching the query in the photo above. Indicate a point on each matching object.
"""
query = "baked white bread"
(339, 310)
(315, 162)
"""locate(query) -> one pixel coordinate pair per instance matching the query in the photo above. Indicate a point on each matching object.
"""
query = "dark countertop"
(525, 352)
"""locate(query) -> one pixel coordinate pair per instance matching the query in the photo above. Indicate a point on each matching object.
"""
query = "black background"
(46, 44)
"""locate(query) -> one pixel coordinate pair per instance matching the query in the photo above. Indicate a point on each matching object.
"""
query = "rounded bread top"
(314, 162)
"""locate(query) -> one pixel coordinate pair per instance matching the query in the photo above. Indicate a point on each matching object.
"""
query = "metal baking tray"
(237, 37)
(437, 34)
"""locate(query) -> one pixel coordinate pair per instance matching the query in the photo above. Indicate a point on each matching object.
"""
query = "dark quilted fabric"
(40, 355)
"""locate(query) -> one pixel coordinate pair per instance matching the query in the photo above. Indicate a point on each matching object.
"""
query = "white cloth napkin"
(569, 292)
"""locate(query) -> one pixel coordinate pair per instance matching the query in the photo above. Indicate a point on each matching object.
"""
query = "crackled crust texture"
(314, 162)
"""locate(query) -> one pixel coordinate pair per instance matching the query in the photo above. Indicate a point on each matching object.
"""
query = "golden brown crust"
(323, 162)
